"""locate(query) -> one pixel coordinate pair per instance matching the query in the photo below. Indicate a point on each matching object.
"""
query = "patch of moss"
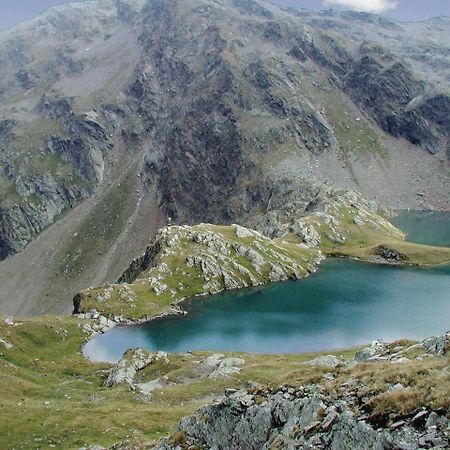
(355, 135)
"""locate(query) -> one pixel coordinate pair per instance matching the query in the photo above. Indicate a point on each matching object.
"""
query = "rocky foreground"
(393, 396)
(116, 115)
(341, 411)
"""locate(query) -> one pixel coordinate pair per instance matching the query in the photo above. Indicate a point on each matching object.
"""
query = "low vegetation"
(53, 397)
(425, 385)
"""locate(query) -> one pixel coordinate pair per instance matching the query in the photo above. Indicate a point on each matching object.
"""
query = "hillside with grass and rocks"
(182, 262)
(388, 394)
(350, 406)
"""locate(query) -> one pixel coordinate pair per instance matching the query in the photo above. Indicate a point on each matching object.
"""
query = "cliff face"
(217, 110)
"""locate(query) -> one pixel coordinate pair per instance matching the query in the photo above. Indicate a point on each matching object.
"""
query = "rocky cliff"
(205, 111)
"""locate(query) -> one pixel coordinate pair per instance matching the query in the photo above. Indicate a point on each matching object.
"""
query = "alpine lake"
(345, 304)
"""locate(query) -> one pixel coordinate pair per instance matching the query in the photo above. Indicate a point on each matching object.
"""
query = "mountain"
(119, 116)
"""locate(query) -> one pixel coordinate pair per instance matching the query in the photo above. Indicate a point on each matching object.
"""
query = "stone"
(105, 295)
(227, 367)
(306, 233)
(434, 420)
(419, 418)
(150, 386)
(312, 426)
(229, 281)
(229, 392)
(401, 360)
(93, 447)
(397, 387)
(277, 273)
(398, 424)
(213, 360)
(329, 420)
(6, 344)
(390, 254)
(242, 232)
(160, 288)
(126, 294)
(376, 349)
(330, 361)
(124, 371)
(437, 345)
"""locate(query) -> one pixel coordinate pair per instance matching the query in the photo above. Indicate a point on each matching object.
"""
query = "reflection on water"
(425, 227)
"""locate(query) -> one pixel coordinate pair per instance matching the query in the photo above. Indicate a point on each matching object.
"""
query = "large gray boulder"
(438, 345)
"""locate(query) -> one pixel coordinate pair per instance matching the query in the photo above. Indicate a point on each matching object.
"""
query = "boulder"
(329, 361)
(438, 345)
(125, 370)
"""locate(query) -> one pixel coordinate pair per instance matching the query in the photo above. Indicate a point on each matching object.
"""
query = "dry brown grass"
(426, 385)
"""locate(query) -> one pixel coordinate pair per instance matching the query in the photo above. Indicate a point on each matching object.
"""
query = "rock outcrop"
(321, 415)
(130, 370)
(298, 418)
(186, 261)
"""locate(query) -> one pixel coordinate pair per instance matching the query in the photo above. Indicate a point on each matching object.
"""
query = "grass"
(30, 136)
(363, 240)
(355, 135)
(417, 254)
(426, 383)
(52, 396)
(97, 232)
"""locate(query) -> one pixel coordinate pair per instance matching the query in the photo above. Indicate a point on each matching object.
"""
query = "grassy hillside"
(54, 398)
(183, 262)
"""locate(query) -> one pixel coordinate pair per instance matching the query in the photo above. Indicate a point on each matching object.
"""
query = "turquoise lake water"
(345, 304)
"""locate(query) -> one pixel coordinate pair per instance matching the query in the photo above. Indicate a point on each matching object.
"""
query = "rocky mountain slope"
(128, 112)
